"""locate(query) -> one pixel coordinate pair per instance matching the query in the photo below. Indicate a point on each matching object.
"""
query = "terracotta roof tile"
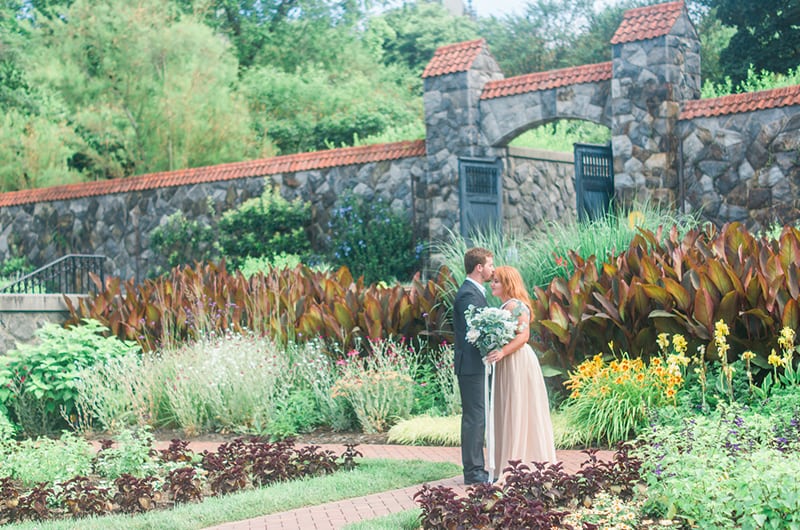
(647, 22)
(522, 84)
(736, 103)
(235, 170)
(454, 58)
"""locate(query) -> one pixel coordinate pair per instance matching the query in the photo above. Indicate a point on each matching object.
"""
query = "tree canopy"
(97, 89)
(767, 35)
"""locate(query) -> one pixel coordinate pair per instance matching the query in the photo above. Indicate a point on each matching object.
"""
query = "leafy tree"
(767, 35)
(246, 23)
(594, 44)
(148, 91)
(538, 39)
(314, 109)
(714, 38)
(411, 33)
(553, 34)
(36, 140)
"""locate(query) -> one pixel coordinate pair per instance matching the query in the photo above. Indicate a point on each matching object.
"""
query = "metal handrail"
(68, 275)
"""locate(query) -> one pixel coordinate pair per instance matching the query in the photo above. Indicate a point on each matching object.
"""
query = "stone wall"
(22, 314)
(452, 131)
(651, 78)
(119, 225)
(538, 188)
(735, 163)
(743, 167)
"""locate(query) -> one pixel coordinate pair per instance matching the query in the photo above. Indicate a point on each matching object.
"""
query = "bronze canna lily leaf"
(657, 293)
(718, 275)
(343, 315)
(703, 312)
(559, 331)
(791, 315)
(728, 309)
(608, 307)
(678, 293)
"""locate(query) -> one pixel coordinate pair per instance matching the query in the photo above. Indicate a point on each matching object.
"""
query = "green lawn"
(371, 476)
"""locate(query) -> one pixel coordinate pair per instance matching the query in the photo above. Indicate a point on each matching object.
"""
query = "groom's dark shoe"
(477, 479)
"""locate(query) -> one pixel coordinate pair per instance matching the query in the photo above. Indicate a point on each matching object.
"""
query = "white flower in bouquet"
(490, 328)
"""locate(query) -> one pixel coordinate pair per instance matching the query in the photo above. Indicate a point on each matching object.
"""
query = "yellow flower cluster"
(786, 342)
(599, 379)
(721, 333)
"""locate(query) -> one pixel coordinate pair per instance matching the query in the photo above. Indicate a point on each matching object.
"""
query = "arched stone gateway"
(472, 112)
(509, 107)
(731, 158)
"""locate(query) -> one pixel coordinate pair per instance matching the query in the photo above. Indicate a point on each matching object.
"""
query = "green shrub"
(38, 380)
(15, 267)
(132, 453)
(379, 385)
(7, 429)
(46, 460)
(372, 240)
(281, 261)
(265, 226)
(183, 242)
(122, 392)
(314, 372)
(733, 468)
(297, 413)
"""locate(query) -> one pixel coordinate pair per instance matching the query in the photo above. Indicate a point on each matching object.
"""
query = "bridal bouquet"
(490, 328)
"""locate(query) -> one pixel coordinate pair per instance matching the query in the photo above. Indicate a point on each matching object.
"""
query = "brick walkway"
(334, 515)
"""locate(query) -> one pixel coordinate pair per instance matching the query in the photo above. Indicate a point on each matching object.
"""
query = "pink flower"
(341, 362)
(352, 353)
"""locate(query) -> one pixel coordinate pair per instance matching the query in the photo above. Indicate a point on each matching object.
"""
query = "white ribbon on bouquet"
(488, 407)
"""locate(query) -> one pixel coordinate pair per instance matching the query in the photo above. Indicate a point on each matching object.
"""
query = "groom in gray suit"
(469, 367)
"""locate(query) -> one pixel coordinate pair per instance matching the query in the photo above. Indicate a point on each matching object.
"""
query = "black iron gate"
(480, 192)
(594, 180)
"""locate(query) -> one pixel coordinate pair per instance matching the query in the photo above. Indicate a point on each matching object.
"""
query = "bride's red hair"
(513, 286)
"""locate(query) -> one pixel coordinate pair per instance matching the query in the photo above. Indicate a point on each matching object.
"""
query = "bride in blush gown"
(522, 425)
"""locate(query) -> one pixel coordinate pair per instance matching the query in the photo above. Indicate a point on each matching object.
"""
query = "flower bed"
(132, 478)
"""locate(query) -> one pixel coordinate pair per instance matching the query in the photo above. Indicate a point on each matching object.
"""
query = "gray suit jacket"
(468, 360)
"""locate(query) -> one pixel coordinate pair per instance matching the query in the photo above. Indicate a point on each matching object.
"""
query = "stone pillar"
(453, 82)
(656, 66)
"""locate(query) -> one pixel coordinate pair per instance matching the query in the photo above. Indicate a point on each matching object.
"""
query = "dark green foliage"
(428, 397)
(411, 33)
(299, 413)
(265, 226)
(371, 240)
(767, 36)
(15, 267)
(38, 380)
(182, 242)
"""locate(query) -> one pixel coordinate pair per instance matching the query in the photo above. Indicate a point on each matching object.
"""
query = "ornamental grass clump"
(379, 386)
(229, 382)
(612, 401)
